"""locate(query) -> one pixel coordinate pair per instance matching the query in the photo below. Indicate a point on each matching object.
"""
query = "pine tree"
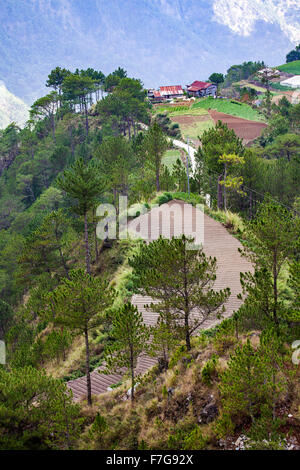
(116, 161)
(46, 249)
(164, 339)
(83, 183)
(130, 336)
(79, 303)
(272, 238)
(46, 107)
(155, 145)
(6, 317)
(230, 181)
(215, 142)
(36, 411)
(294, 282)
(179, 174)
(247, 383)
(181, 280)
(78, 88)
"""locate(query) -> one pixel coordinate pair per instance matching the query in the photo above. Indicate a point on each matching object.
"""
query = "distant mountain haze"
(163, 42)
(12, 109)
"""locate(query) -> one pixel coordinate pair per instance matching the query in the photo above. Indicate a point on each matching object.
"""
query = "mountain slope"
(12, 109)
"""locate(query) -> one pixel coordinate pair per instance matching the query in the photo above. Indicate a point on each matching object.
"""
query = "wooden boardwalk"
(217, 242)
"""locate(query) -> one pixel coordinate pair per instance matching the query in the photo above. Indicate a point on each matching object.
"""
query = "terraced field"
(231, 107)
(193, 125)
(217, 243)
(245, 129)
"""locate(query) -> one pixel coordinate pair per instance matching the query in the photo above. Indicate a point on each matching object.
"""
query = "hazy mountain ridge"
(160, 41)
(12, 108)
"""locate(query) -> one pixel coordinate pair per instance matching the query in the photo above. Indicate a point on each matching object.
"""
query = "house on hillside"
(154, 96)
(165, 93)
(171, 92)
(200, 89)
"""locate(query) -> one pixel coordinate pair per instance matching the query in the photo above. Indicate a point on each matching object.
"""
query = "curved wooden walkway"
(217, 243)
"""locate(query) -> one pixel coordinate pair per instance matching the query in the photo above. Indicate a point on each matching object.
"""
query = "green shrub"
(209, 370)
(99, 426)
(192, 198)
(178, 354)
(225, 336)
(195, 440)
(224, 426)
(165, 197)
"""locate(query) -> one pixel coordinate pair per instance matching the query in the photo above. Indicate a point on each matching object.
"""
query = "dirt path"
(217, 242)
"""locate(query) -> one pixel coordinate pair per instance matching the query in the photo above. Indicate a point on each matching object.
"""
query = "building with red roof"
(169, 92)
(166, 93)
(200, 89)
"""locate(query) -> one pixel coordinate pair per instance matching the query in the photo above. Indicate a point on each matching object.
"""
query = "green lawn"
(189, 112)
(170, 157)
(241, 110)
(291, 67)
(196, 129)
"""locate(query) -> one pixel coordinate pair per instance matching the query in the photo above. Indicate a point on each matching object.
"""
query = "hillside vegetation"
(66, 291)
(185, 407)
(291, 67)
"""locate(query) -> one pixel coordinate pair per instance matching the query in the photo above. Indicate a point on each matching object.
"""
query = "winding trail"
(189, 149)
(217, 243)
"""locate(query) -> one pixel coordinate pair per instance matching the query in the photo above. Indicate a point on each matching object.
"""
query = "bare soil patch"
(246, 130)
(189, 119)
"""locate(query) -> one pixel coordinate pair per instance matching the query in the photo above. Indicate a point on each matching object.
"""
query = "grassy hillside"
(170, 157)
(230, 107)
(182, 408)
(291, 67)
(245, 83)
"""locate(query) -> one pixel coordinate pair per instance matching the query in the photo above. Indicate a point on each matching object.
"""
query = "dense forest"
(65, 294)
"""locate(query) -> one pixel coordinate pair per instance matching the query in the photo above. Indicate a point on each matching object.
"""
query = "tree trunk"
(157, 173)
(225, 194)
(63, 261)
(53, 128)
(87, 368)
(132, 374)
(129, 129)
(86, 118)
(219, 195)
(96, 238)
(87, 248)
(251, 206)
(187, 332)
(187, 307)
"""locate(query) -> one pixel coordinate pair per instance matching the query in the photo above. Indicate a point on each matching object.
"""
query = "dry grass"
(230, 220)
(74, 357)
(160, 419)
